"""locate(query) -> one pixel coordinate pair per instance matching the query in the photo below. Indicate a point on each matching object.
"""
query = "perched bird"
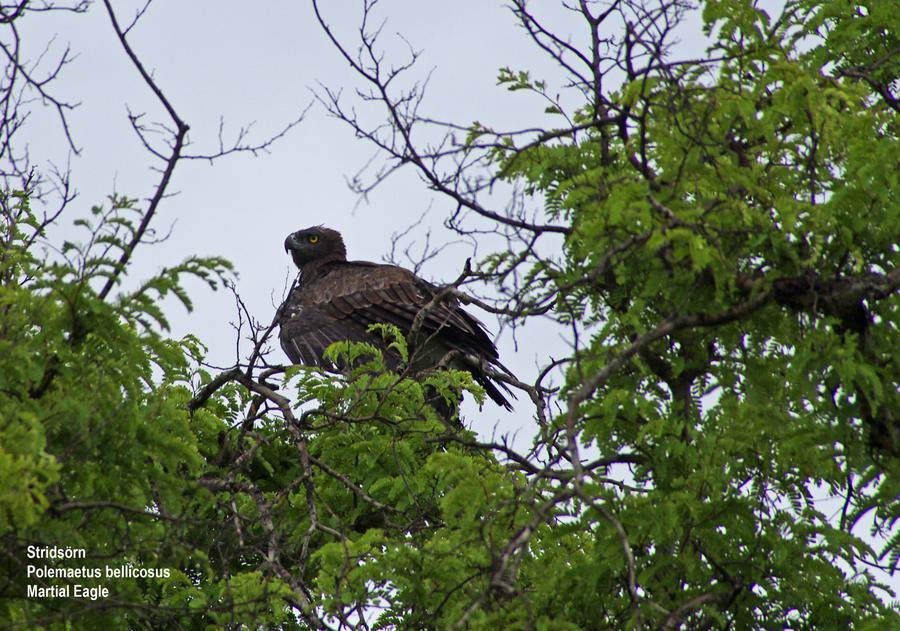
(336, 299)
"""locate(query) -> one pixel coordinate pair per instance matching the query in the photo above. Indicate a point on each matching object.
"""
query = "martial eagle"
(336, 299)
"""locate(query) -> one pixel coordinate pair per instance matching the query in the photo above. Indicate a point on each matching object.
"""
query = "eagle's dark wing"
(307, 330)
(345, 297)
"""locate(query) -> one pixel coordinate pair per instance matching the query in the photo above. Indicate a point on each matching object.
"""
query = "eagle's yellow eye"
(313, 238)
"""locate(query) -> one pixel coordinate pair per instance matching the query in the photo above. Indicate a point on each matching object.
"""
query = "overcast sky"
(218, 60)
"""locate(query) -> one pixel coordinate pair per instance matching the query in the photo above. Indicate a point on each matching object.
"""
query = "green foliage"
(98, 449)
(735, 179)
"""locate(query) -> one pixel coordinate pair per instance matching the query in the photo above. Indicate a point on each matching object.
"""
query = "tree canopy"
(717, 237)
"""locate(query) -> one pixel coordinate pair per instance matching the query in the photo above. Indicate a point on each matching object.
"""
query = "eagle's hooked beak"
(289, 243)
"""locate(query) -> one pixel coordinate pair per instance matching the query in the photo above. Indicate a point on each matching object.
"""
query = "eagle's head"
(316, 244)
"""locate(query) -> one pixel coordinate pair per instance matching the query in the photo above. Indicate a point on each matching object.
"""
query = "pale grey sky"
(216, 59)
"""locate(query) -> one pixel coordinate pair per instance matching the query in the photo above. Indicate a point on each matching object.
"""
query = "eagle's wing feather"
(342, 301)
(310, 330)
